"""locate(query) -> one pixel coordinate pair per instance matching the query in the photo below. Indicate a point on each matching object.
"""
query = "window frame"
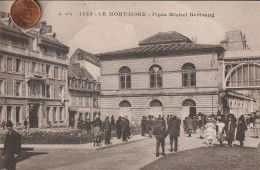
(188, 76)
(156, 83)
(125, 78)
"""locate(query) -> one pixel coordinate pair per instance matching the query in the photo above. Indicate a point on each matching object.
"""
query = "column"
(4, 113)
(40, 117)
(51, 115)
(13, 115)
(58, 116)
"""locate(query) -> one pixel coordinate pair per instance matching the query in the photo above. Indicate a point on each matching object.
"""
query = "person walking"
(257, 127)
(174, 131)
(12, 147)
(25, 124)
(220, 125)
(143, 125)
(194, 124)
(230, 128)
(150, 124)
(88, 126)
(189, 125)
(124, 129)
(241, 128)
(128, 128)
(80, 124)
(97, 134)
(107, 130)
(210, 130)
(112, 122)
(3, 124)
(160, 135)
(118, 128)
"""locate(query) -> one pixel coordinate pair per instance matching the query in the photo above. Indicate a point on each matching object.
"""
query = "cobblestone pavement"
(140, 154)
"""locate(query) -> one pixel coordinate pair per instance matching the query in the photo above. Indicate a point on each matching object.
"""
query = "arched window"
(124, 103)
(124, 78)
(155, 76)
(188, 102)
(188, 75)
(155, 103)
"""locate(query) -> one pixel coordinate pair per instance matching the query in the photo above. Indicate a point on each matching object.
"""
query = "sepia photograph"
(129, 85)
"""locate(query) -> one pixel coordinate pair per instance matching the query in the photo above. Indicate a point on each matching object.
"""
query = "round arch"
(124, 103)
(156, 103)
(188, 102)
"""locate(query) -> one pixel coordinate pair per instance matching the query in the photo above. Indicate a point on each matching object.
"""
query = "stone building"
(240, 75)
(33, 75)
(167, 74)
(84, 86)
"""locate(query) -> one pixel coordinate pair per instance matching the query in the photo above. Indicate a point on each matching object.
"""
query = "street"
(193, 154)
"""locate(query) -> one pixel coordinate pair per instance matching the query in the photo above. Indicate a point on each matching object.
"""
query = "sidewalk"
(88, 146)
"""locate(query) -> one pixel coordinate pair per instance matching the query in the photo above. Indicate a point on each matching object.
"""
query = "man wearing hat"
(107, 130)
(12, 147)
(160, 135)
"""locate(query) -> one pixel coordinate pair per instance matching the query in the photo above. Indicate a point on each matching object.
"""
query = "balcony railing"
(30, 53)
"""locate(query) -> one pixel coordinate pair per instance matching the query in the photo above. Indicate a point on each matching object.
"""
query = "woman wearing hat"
(230, 127)
(241, 128)
(210, 130)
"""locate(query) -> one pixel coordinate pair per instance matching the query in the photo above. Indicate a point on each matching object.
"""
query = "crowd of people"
(104, 128)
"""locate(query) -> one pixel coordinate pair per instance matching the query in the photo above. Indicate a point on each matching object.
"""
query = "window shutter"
(23, 89)
(14, 64)
(5, 63)
(52, 71)
(44, 69)
(52, 91)
(30, 67)
(23, 66)
(5, 87)
(14, 88)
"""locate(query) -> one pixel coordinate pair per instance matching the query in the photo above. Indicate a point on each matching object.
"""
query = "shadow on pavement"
(26, 153)
(213, 157)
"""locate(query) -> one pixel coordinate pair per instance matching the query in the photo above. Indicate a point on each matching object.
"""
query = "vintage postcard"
(132, 85)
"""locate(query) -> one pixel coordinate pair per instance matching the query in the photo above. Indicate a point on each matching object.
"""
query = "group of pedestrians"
(123, 128)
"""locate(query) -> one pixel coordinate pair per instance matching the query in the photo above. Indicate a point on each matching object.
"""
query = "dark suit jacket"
(12, 144)
(173, 128)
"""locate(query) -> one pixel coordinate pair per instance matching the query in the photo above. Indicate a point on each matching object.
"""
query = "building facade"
(33, 76)
(167, 74)
(84, 87)
(240, 75)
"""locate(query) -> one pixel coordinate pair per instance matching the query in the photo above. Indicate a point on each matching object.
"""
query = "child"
(97, 134)
(210, 130)
(220, 130)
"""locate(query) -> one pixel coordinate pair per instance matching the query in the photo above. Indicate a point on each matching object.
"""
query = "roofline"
(92, 62)
(103, 56)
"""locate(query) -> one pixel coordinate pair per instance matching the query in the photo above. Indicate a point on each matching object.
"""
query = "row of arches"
(156, 76)
(158, 103)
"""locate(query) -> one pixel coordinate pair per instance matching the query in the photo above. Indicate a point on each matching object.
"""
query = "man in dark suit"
(160, 135)
(12, 147)
(107, 130)
(174, 131)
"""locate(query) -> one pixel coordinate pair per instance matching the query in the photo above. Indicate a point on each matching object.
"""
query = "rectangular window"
(184, 79)
(9, 64)
(48, 68)
(9, 112)
(87, 102)
(48, 113)
(18, 88)
(48, 91)
(61, 114)
(34, 65)
(18, 65)
(54, 114)
(56, 72)
(80, 101)
(18, 114)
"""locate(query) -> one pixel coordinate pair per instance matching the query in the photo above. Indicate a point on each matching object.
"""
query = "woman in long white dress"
(210, 131)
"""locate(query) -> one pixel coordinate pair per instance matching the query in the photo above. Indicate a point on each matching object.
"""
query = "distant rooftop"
(165, 38)
(76, 71)
(80, 54)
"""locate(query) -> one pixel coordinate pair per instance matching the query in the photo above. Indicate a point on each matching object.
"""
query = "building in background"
(240, 75)
(33, 75)
(84, 86)
(167, 74)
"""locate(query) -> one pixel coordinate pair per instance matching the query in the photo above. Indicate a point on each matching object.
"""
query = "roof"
(163, 44)
(162, 49)
(80, 54)
(53, 41)
(165, 38)
(76, 71)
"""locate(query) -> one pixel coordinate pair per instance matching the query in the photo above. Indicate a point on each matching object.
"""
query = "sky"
(98, 34)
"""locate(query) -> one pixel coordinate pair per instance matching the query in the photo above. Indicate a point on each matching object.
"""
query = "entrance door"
(72, 118)
(192, 111)
(33, 115)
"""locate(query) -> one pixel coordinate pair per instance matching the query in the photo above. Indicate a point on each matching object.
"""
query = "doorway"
(72, 118)
(189, 106)
(33, 115)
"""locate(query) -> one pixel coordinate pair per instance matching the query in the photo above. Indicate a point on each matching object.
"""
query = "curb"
(119, 144)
